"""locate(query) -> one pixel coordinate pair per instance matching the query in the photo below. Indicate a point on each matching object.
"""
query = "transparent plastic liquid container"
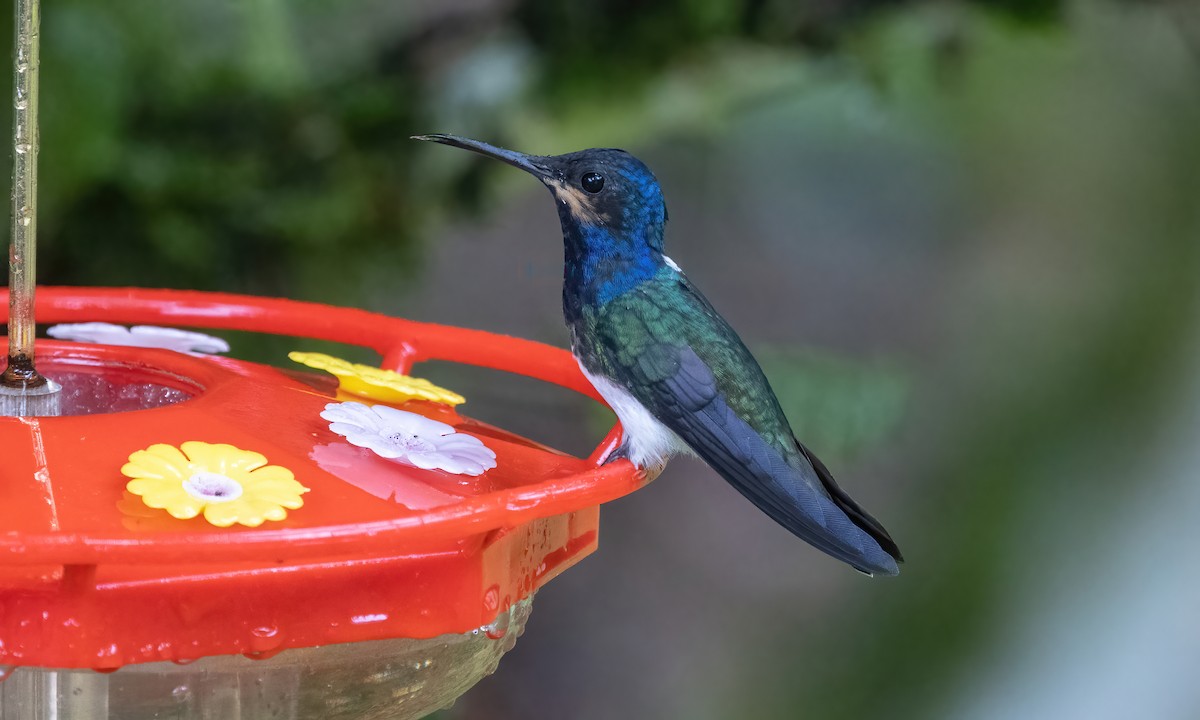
(373, 680)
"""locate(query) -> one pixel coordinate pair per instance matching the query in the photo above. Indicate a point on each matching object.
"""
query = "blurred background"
(964, 240)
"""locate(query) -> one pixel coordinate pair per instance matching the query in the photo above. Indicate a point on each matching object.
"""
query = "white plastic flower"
(409, 438)
(139, 336)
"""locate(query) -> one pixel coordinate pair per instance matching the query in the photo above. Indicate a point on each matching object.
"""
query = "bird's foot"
(650, 469)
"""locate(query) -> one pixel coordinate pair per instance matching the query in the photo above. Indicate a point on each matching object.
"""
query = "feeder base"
(373, 680)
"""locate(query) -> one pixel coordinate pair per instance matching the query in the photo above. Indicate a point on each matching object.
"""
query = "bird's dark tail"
(801, 495)
(853, 510)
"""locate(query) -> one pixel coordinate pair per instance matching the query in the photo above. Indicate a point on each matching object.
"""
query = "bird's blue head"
(610, 206)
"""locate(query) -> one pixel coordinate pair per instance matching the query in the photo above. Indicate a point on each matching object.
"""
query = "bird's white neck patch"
(672, 264)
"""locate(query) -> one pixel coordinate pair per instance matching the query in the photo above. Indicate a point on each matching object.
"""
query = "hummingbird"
(678, 377)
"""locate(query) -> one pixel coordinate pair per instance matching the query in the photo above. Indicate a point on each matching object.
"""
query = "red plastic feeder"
(428, 573)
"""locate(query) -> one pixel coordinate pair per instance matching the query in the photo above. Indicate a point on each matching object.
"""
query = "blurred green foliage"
(189, 144)
(839, 404)
(253, 146)
(1083, 148)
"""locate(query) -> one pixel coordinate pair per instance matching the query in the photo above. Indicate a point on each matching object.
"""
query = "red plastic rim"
(377, 550)
(230, 386)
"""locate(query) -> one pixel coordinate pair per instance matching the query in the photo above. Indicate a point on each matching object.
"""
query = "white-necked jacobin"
(674, 372)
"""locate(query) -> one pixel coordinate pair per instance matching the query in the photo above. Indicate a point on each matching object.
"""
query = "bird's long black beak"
(533, 164)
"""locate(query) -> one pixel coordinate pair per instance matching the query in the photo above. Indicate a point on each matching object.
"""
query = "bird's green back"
(638, 336)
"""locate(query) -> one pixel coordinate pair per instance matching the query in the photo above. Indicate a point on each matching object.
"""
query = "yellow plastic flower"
(228, 485)
(375, 383)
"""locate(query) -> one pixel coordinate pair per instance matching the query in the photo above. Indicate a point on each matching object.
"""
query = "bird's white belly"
(648, 441)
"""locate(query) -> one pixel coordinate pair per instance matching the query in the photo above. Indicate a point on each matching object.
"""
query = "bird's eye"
(592, 182)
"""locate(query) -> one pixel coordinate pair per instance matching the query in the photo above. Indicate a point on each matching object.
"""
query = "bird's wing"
(692, 396)
(689, 404)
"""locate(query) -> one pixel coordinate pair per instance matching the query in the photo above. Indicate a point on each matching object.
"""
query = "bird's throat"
(600, 265)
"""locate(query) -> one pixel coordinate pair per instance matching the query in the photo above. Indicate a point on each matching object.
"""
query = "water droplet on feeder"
(5, 671)
(264, 639)
(368, 619)
(181, 693)
(262, 655)
(491, 598)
